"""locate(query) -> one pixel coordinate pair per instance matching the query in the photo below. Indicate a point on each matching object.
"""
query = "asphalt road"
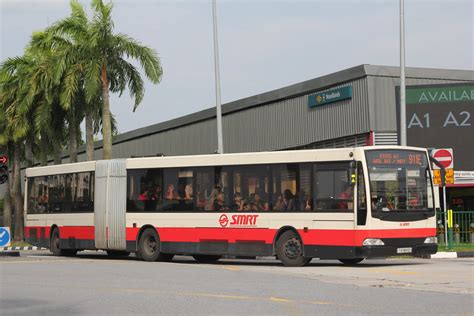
(93, 284)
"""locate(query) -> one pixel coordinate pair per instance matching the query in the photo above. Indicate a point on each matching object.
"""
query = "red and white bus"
(346, 204)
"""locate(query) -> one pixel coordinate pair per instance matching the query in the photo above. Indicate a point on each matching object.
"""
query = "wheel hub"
(293, 248)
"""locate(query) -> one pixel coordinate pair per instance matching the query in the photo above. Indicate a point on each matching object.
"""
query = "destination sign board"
(396, 158)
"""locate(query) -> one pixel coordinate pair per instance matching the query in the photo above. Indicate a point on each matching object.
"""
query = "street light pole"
(220, 145)
(403, 124)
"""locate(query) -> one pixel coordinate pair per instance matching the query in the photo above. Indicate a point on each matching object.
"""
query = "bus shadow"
(266, 261)
(314, 263)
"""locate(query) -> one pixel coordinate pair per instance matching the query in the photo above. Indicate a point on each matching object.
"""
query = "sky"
(263, 45)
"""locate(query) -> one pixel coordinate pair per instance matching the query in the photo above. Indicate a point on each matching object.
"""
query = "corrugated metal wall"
(283, 124)
(291, 123)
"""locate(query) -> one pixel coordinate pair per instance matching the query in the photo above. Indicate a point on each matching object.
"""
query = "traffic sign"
(4, 236)
(448, 177)
(3, 159)
(444, 156)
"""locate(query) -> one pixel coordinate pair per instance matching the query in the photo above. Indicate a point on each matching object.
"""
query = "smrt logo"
(238, 220)
(223, 220)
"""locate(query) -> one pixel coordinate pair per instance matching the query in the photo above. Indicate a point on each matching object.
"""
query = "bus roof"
(287, 156)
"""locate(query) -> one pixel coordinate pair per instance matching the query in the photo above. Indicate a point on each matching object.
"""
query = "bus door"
(334, 221)
(361, 196)
(110, 204)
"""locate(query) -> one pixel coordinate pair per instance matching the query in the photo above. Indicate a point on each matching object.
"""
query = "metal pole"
(220, 145)
(445, 217)
(403, 124)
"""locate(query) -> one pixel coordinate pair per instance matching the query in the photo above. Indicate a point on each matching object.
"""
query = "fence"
(463, 228)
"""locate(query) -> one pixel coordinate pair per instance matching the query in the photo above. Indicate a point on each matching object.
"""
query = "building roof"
(294, 90)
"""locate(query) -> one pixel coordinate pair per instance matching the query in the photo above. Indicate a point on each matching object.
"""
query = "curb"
(34, 248)
(452, 255)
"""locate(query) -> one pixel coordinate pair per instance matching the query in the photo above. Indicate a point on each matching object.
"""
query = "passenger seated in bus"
(157, 195)
(188, 192)
(258, 204)
(238, 204)
(279, 204)
(170, 193)
(288, 200)
(144, 195)
(308, 203)
(211, 199)
(345, 196)
(219, 203)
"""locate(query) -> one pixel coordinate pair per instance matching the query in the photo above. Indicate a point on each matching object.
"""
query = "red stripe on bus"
(30, 229)
(78, 232)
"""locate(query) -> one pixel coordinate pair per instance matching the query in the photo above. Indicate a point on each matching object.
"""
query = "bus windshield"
(400, 180)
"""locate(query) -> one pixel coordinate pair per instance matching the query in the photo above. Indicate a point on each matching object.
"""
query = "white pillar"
(220, 145)
(403, 124)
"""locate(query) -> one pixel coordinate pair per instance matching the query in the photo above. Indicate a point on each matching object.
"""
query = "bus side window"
(332, 189)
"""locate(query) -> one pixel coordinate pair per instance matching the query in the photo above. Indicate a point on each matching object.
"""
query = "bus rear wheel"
(289, 250)
(149, 247)
(351, 261)
(55, 247)
(206, 258)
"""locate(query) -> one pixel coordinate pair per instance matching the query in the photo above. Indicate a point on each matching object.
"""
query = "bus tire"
(117, 253)
(149, 245)
(55, 248)
(351, 261)
(206, 258)
(289, 250)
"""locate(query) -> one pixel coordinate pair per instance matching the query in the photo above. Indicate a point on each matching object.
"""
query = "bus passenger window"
(144, 190)
(332, 188)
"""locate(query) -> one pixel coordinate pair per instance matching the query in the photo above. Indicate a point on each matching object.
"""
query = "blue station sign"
(330, 96)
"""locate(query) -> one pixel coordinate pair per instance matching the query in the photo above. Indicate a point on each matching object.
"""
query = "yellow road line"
(392, 271)
(280, 300)
(231, 268)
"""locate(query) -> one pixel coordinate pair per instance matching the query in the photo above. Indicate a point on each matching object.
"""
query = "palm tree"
(97, 60)
(14, 74)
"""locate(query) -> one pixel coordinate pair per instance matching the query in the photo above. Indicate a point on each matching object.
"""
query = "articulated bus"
(347, 204)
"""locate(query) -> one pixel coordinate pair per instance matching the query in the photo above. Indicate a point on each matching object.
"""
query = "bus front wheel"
(290, 250)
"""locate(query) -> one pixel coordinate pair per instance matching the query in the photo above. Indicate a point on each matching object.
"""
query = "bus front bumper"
(390, 251)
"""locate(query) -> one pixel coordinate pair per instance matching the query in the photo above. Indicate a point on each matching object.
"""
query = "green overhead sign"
(330, 96)
(440, 94)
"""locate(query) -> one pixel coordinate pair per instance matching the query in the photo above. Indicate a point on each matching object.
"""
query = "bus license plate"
(404, 250)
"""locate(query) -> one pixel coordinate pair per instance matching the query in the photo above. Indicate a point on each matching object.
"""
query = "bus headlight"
(373, 242)
(431, 240)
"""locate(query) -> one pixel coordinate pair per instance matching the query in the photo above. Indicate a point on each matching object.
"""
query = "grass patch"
(19, 244)
(456, 248)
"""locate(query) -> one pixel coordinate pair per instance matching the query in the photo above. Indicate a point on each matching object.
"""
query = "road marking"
(280, 300)
(396, 272)
(231, 268)
(320, 303)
